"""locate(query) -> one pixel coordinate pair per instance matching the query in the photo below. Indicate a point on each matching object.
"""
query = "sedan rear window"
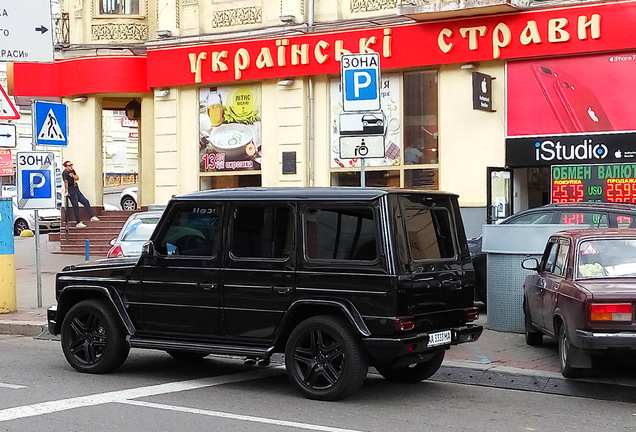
(607, 258)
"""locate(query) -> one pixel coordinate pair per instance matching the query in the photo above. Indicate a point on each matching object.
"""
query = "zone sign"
(36, 180)
(360, 79)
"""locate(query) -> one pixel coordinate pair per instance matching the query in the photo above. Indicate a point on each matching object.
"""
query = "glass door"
(499, 189)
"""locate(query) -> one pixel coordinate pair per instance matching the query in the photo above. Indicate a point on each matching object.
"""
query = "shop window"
(119, 7)
(409, 104)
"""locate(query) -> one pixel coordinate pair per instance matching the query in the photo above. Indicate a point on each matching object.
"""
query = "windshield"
(609, 258)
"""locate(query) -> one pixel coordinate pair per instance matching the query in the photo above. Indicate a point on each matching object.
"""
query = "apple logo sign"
(592, 114)
(618, 154)
(484, 86)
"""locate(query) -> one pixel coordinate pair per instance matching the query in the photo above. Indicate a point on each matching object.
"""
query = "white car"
(48, 219)
(135, 232)
(128, 198)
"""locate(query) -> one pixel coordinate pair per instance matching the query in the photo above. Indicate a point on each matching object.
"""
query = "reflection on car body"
(583, 294)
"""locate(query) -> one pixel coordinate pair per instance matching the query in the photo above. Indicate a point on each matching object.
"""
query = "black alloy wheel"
(325, 358)
(93, 337)
(413, 373)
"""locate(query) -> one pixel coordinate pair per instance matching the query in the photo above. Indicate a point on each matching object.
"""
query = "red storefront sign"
(6, 162)
(528, 34)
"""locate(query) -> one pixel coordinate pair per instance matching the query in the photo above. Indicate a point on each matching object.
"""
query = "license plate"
(440, 338)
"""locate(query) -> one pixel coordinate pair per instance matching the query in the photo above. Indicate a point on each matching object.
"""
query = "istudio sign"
(482, 92)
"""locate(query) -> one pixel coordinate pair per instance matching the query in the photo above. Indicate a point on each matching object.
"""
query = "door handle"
(282, 290)
(207, 286)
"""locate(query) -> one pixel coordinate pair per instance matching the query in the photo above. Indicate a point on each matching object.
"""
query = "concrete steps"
(99, 234)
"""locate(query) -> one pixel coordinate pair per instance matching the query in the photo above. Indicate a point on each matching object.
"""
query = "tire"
(128, 203)
(413, 373)
(187, 355)
(93, 337)
(19, 226)
(564, 354)
(325, 359)
(533, 336)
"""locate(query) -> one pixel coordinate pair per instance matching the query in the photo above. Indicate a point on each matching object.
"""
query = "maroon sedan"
(584, 295)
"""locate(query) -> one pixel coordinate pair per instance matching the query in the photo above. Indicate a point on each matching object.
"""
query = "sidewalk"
(497, 359)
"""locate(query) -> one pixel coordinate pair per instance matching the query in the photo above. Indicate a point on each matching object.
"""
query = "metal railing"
(62, 29)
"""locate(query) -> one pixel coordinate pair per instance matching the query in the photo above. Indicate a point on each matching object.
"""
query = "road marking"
(124, 395)
(11, 386)
(240, 417)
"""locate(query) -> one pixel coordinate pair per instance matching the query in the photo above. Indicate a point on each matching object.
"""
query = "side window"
(192, 230)
(550, 256)
(561, 259)
(533, 218)
(625, 221)
(262, 232)
(430, 233)
(347, 233)
(594, 220)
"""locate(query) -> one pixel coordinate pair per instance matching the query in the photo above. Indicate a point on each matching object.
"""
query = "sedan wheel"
(19, 226)
(93, 338)
(564, 355)
(325, 358)
(127, 203)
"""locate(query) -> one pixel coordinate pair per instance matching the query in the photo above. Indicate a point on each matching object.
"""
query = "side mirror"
(530, 264)
(112, 241)
(148, 249)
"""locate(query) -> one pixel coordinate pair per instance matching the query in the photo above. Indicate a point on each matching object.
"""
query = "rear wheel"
(413, 373)
(325, 358)
(93, 337)
(128, 203)
(564, 355)
(533, 336)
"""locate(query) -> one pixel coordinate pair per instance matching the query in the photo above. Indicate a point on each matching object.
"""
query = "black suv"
(337, 279)
(595, 214)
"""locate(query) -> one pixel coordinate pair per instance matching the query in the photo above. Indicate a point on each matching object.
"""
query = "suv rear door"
(438, 258)
(259, 275)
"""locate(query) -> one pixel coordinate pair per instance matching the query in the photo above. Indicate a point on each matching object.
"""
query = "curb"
(534, 381)
(22, 328)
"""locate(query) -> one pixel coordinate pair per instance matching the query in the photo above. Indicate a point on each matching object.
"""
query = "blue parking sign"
(360, 79)
(37, 182)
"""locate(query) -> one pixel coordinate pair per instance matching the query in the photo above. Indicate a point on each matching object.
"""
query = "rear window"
(429, 232)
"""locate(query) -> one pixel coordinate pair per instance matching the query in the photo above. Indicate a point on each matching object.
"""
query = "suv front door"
(180, 291)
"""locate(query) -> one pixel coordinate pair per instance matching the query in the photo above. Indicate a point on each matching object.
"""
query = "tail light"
(115, 252)
(611, 312)
(404, 324)
(471, 314)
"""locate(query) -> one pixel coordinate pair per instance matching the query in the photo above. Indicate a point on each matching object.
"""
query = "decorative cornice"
(123, 31)
(372, 5)
(239, 16)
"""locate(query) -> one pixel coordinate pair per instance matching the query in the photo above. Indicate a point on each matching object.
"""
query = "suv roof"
(301, 193)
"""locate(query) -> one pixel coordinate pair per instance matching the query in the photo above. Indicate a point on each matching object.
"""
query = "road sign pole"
(38, 269)
(362, 176)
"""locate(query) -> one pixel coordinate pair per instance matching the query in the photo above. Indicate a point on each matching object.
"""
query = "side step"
(236, 350)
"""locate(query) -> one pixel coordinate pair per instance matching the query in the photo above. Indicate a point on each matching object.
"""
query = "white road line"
(123, 395)
(11, 386)
(265, 420)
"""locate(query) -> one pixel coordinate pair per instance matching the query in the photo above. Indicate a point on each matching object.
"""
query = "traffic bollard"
(8, 302)
(86, 250)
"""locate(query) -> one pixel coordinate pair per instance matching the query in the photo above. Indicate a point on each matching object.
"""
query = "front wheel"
(19, 226)
(93, 337)
(325, 359)
(564, 355)
(413, 373)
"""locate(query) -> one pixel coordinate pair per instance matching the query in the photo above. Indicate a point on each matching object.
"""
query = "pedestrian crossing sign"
(51, 123)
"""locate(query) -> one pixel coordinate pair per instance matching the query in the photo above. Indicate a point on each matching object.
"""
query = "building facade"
(248, 93)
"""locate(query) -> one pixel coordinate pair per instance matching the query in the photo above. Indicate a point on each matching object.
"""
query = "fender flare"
(72, 294)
